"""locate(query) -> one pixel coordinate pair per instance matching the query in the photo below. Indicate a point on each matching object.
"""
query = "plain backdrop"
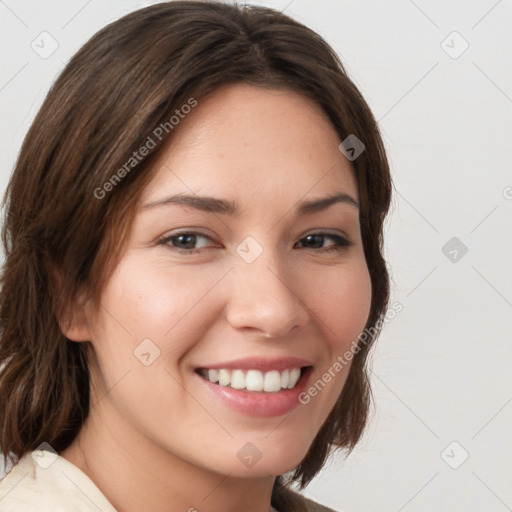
(438, 77)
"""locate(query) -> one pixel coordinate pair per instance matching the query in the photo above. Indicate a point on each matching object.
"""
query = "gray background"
(441, 372)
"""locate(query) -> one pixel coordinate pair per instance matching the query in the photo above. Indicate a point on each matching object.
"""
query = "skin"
(155, 439)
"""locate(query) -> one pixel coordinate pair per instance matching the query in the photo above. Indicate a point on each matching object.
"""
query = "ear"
(72, 318)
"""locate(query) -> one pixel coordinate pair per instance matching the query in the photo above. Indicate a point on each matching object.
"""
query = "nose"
(264, 298)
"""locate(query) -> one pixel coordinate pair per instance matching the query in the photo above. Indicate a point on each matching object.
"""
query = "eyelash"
(340, 244)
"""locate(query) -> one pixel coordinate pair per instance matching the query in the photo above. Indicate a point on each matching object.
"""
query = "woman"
(194, 271)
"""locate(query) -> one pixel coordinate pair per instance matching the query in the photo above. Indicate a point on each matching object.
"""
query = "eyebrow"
(223, 206)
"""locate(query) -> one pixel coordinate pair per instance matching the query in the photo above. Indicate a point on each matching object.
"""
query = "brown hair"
(128, 79)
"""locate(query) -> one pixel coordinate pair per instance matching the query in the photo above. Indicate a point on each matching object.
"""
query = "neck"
(136, 474)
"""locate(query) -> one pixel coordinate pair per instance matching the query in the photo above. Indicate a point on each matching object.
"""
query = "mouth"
(258, 386)
(256, 380)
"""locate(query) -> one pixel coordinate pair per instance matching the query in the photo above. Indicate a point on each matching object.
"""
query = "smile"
(252, 379)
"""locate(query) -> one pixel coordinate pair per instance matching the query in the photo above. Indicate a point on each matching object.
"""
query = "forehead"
(251, 143)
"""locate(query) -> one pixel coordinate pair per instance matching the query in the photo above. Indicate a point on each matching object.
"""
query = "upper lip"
(260, 363)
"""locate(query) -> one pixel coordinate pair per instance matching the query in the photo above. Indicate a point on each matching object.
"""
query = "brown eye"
(317, 240)
(188, 242)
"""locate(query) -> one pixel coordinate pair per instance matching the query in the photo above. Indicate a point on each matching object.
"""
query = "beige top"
(42, 481)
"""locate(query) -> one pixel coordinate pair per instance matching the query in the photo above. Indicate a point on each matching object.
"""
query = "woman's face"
(251, 286)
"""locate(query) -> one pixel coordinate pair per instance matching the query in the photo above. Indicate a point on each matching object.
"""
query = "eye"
(316, 241)
(191, 242)
(188, 242)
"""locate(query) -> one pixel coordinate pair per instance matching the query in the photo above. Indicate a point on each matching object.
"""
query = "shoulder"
(43, 481)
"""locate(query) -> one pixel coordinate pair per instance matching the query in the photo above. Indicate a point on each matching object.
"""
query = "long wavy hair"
(126, 80)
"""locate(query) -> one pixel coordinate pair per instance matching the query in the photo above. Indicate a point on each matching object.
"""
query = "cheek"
(157, 302)
(151, 316)
(340, 307)
(344, 306)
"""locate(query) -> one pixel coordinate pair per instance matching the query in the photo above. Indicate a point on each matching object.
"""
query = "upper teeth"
(254, 380)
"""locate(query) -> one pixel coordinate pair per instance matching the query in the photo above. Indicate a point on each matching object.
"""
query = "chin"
(269, 456)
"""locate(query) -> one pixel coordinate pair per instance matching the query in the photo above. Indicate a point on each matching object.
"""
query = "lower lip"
(259, 403)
